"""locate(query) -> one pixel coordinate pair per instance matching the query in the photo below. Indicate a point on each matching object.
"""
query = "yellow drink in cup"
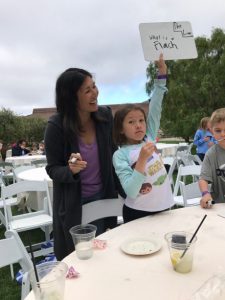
(181, 251)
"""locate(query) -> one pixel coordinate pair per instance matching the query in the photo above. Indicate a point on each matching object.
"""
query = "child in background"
(41, 148)
(213, 166)
(137, 161)
(203, 138)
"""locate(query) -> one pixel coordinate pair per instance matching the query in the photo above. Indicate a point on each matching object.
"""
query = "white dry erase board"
(174, 39)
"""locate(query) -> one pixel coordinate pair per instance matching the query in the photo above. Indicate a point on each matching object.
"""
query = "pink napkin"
(99, 244)
(72, 273)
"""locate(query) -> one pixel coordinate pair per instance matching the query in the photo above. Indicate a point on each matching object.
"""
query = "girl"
(137, 161)
(203, 138)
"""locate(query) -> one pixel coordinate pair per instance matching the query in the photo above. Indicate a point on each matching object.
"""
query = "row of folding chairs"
(186, 165)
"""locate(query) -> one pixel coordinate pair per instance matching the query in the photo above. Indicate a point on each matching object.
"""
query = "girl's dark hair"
(119, 138)
(67, 86)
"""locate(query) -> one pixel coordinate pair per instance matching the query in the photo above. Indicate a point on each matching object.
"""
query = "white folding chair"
(31, 220)
(189, 148)
(13, 251)
(20, 169)
(102, 209)
(6, 171)
(189, 159)
(184, 171)
(12, 201)
(172, 161)
(191, 193)
(39, 163)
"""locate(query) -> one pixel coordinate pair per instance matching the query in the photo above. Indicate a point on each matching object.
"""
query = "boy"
(213, 167)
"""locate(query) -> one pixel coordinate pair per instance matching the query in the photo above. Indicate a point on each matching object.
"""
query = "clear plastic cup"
(181, 250)
(83, 236)
(51, 284)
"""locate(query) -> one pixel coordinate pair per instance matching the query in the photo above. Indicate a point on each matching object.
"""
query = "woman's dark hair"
(20, 142)
(67, 86)
(119, 138)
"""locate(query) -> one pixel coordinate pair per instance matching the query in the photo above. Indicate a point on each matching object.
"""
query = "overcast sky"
(40, 39)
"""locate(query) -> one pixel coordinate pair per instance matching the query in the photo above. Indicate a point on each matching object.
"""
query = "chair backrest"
(39, 163)
(9, 153)
(5, 167)
(101, 209)
(189, 159)
(183, 171)
(190, 191)
(13, 251)
(171, 171)
(20, 169)
(24, 186)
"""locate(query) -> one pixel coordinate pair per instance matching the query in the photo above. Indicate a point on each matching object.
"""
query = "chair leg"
(47, 233)
(2, 218)
(12, 272)
(25, 289)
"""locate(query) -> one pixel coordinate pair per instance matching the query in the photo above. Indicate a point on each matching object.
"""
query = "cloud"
(39, 40)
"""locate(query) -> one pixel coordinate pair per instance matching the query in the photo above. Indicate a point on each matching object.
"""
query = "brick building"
(45, 113)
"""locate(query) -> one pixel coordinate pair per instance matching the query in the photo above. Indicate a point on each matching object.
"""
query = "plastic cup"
(51, 276)
(181, 250)
(83, 236)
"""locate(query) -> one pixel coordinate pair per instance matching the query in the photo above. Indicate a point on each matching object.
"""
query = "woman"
(20, 148)
(79, 148)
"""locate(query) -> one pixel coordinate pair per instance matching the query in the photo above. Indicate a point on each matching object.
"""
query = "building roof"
(45, 113)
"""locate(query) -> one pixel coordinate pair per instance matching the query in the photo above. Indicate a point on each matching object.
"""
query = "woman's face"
(87, 96)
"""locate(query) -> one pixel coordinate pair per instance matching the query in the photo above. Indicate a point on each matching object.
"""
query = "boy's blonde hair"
(217, 116)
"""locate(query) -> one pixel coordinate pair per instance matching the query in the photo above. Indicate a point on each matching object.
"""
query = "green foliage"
(8, 125)
(196, 86)
(13, 127)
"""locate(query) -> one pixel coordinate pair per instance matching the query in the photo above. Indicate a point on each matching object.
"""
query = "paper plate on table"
(141, 246)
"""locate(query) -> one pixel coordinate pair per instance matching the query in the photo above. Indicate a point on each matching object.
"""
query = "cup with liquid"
(181, 250)
(51, 280)
(83, 236)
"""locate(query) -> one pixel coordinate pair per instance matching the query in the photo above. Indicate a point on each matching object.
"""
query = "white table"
(36, 174)
(24, 159)
(111, 274)
(167, 149)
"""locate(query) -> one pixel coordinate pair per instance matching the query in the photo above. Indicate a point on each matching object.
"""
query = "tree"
(33, 129)
(8, 126)
(13, 127)
(196, 86)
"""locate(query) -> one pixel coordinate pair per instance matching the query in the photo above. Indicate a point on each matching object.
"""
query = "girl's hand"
(76, 164)
(162, 67)
(145, 153)
(206, 138)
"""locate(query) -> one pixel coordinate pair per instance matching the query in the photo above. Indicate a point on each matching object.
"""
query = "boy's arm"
(205, 177)
(206, 196)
